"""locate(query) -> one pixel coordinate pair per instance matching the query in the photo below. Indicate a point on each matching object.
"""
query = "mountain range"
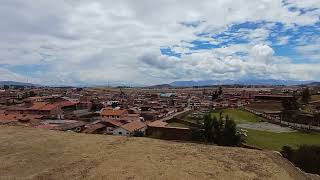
(240, 82)
(15, 83)
(190, 83)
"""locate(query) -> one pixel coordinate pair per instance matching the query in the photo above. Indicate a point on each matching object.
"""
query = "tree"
(222, 131)
(32, 94)
(220, 91)
(208, 122)
(290, 107)
(214, 95)
(305, 157)
(306, 96)
(230, 134)
(96, 106)
(6, 87)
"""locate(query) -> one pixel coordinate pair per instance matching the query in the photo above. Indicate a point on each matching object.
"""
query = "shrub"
(138, 134)
(306, 157)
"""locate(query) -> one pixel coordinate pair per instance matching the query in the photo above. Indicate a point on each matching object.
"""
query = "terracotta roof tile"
(133, 126)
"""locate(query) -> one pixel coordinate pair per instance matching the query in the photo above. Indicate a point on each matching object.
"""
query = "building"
(129, 128)
(109, 113)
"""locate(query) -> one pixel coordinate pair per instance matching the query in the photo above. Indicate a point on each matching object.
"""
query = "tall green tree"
(306, 96)
(230, 134)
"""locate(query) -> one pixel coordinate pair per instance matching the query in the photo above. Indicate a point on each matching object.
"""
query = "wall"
(169, 133)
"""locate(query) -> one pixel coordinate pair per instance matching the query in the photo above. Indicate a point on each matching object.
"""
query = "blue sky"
(98, 42)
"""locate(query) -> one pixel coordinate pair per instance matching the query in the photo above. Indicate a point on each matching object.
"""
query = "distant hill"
(161, 86)
(313, 84)
(240, 82)
(15, 83)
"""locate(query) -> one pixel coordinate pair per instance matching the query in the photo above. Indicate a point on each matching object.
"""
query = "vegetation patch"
(239, 116)
(275, 141)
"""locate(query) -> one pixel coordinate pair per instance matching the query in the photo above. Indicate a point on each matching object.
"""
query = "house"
(109, 113)
(129, 128)
(46, 109)
(111, 125)
(76, 126)
(94, 128)
(157, 123)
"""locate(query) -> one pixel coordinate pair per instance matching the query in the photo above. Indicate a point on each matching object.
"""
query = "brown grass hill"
(29, 153)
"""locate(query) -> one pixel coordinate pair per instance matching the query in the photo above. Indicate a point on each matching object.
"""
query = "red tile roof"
(158, 123)
(42, 106)
(93, 127)
(113, 112)
(113, 122)
(66, 103)
(133, 126)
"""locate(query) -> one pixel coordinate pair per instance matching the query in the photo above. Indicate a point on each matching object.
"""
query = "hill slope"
(27, 153)
(14, 83)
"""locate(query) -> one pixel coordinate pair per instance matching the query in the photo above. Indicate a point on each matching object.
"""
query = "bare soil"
(27, 153)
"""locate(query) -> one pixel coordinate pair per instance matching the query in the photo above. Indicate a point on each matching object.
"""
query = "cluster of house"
(89, 111)
(114, 111)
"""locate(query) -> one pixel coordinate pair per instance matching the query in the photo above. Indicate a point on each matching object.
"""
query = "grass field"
(270, 140)
(176, 124)
(28, 153)
(275, 141)
(239, 116)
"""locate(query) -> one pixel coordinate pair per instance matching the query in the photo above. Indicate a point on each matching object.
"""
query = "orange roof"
(66, 103)
(114, 122)
(113, 112)
(48, 107)
(42, 106)
(133, 126)
(93, 127)
(15, 117)
(8, 117)
(158, 123)
(37, 105)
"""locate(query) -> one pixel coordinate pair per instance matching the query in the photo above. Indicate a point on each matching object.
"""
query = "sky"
(91, 42)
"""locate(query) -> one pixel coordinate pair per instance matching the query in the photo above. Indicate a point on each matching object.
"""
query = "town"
(143, 111)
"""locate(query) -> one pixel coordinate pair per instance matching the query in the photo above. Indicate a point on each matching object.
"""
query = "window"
(120, 133)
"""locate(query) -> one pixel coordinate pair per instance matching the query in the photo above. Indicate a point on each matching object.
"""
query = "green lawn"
(239, 116)
(275, 141)
(176, 124)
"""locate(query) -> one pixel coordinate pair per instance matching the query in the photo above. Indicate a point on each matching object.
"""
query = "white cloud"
(99, 41)
(6, 75)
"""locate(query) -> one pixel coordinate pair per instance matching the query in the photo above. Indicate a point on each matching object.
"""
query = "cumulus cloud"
(98, 41)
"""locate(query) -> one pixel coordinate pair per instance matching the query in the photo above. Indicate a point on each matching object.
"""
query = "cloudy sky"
(151, 42)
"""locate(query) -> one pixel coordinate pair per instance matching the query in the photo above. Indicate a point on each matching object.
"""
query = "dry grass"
(27, 153)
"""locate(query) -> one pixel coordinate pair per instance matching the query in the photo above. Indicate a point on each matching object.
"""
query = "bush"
(197, 134)
(306, 157)
(221, 132)
(138, 134)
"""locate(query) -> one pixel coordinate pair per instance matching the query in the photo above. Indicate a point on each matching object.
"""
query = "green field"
(239, 116)
(269, 140)
(275, 141)
(176, 124)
